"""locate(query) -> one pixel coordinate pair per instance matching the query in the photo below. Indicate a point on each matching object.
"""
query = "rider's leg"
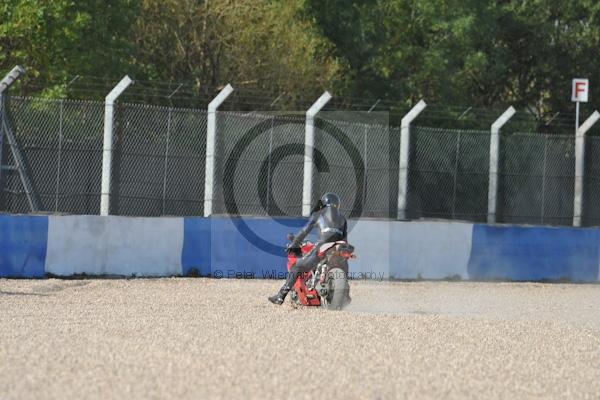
(304, 264)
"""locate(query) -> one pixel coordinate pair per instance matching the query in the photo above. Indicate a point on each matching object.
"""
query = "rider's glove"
(293, 250)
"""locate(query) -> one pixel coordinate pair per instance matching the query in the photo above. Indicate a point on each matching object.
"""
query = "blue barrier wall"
(237, 247)
(23, 242)
(196, 239)
(534, 253)
(32, 246)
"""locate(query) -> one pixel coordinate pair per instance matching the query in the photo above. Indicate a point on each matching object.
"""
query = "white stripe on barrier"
(411, 250)
(372, 248)
(430, 250)
(113, 245)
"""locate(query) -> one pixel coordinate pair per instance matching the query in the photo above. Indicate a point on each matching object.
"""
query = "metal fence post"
(166, 165)
(494, 162)
(270, 156)
(19, 160)
(366, 165)
(59, 158)
(455, 180)
(580, 166)
(108, 142)
(309, 142)
(11, 77)
(1, 150)
(404, 157)
(211, 144)
(544, 167)
(5, 83)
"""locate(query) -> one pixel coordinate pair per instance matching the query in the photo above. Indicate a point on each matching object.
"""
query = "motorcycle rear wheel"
(338, 290)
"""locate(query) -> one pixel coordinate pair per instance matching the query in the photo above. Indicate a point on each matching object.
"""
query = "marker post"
(579, 93)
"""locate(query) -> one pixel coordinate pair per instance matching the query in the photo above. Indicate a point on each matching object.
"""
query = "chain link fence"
(158, 158)
(159, 161)
(159, 165)
(448, 174)
(591, 183)
(61, 144)
(353, 160)
(259, 164)
(536, 179)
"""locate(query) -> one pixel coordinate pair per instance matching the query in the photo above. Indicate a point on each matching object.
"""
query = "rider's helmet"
(330, 200)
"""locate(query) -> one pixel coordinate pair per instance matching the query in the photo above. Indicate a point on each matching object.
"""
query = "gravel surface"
(196, 338)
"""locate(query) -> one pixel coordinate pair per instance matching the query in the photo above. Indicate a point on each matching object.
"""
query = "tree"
(480, 53)
(476, 53)
(57, 40)
(257, 43)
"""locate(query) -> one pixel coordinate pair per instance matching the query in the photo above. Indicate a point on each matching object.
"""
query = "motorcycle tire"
(338, 290)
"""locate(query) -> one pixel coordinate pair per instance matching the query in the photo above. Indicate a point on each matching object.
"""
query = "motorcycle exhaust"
(322, 290)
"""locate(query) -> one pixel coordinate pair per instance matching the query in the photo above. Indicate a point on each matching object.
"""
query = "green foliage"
(58, 39)
(472, 52)
(255, 43)
(478, 53)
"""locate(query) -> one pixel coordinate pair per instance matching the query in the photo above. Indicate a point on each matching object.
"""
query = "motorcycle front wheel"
(338, 289)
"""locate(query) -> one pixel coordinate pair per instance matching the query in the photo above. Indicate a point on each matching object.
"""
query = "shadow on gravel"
(2, 292)
(47, 288)
(59, 286)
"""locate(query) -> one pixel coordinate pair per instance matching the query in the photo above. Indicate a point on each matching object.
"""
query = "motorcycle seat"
(325, 247)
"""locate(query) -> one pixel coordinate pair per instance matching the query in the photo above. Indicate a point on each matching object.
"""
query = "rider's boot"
(279, 298)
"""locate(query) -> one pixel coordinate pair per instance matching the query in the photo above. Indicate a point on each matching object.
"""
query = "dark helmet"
(330, 200)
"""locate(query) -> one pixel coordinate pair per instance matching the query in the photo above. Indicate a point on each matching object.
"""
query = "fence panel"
(35, 124)
(80, 158)
(380, 192)
(243, 142)
(352, 159)
(140, 150)
(158, 161)
(267, 152)
(286, 166)
(448, 174)
(61, 144)
(591, 183)
(536, 179)
(340, 163)
(185, 163)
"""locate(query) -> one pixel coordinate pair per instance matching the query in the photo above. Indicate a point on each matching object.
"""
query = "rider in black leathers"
(331, 226)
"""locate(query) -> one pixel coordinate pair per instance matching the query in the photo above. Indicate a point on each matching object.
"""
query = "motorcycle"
(327, 284)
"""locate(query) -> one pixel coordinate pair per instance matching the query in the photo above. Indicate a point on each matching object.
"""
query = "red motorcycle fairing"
(305, 296)
(310, 297)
